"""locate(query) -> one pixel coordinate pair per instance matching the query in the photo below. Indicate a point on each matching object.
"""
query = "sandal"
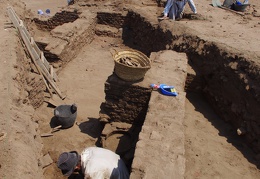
(163, 18)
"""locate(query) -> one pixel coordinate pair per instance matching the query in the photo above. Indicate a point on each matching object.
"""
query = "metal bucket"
(66, 115)
(228, 3)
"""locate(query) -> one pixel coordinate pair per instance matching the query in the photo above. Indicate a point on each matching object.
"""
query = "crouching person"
(93, 163)
(174, 9)
(70, 2)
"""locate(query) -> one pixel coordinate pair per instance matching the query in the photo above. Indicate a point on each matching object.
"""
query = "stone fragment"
(45, 161)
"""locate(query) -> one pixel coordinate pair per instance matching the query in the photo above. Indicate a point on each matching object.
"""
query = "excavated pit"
(226, 79)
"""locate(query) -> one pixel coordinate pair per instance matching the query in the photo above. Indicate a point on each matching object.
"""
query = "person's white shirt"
(100, 163)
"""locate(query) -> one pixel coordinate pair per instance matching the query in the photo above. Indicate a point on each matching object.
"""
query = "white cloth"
(100, 163)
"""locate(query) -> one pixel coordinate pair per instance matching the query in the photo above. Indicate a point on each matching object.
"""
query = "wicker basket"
(131, 73)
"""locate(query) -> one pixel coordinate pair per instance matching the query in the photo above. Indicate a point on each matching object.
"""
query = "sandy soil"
(212, 148)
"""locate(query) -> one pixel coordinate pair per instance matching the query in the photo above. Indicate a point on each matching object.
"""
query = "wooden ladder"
(38, 58)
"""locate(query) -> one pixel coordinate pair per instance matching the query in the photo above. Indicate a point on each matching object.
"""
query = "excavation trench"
(220, 74)
(228, 80)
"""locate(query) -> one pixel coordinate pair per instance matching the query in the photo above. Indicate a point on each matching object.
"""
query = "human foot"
(163, 18)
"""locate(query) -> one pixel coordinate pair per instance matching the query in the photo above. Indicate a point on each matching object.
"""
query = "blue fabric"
(192, 6)
(168, 7)
(175, 8)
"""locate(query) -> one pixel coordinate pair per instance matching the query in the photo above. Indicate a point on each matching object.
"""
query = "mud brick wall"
(112, 19)
(230, 81)
(49, 56)
(58, 19)
(125, 102)
(36, 91)
(77, 41)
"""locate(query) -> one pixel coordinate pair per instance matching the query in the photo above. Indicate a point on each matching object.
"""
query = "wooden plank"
(35, 46)
(12, 15)
(15, 15)
(47, 86)
(236, 12)
(54, 86)
(46, 135)
(26, 31)
(42, 57)
(51, 71)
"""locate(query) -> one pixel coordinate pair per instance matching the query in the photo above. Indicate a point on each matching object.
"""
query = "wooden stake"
(40, 72)
(239, 13)
(46, 135)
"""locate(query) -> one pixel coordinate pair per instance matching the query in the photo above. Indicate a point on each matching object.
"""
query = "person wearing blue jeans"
(70, 2)
(167, 9)
(177, 9)
(192, 6)
(174, 8)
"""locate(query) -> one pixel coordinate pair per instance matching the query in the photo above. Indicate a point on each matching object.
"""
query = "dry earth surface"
(212, 148)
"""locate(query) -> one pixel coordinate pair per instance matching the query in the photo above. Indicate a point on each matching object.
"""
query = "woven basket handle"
(113, 53)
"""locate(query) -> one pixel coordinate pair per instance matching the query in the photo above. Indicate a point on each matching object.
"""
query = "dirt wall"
(32, 86)
(21, 145)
